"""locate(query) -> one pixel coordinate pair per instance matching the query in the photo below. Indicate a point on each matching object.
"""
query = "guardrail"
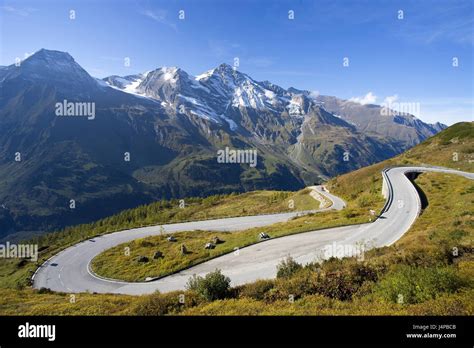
(389, 200)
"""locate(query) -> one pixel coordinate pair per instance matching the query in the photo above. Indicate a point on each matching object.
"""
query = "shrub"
(45, 291)
(335, 278)
(338, 285)
(342, 278)
(214, 286)
(156, 304)
(19, 285)
(296, 286)
(361, 273)
(287, 267)
(169, 303)
(447, 304)
(415, 285)
(257, 289)
(366, 289)
(145, 243)
(21, 263)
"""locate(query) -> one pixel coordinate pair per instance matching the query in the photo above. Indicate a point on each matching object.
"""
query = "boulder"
(216, 240)
(142, 259)
(209, 246)
(158, 254)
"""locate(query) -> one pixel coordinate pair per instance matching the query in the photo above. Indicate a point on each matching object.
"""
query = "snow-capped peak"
(212, 94)
(128, 83)
(205, 75)
(169, 74)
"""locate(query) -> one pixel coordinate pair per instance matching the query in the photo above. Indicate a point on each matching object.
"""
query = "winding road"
(68, 271)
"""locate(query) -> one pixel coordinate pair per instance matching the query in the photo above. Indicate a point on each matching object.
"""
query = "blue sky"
(409, 60)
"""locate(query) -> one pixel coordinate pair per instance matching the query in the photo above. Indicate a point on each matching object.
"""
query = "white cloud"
(369, 98)
(24, 12)
(314, 94)
(390, 99)
(159, 16)
(448, 110)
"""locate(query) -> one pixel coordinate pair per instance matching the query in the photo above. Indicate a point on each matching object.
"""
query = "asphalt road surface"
(69, 271)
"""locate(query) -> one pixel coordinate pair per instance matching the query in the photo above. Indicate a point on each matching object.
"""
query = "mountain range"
(155, 135)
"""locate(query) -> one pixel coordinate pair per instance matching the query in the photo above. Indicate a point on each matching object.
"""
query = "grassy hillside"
(451, 148)
(430, 266)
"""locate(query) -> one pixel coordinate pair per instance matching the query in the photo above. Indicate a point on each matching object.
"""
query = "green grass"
(15, 274)
(34, 302)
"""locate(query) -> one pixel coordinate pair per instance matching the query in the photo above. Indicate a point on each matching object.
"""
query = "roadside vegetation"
(429, 271)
